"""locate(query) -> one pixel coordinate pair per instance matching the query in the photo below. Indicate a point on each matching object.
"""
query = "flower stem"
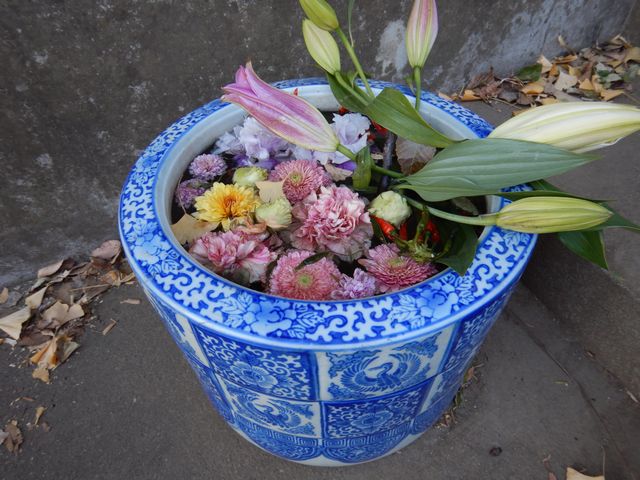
(346, 152)
(386, 171)
(482, 220)
(354, 59)
(418, 83)
(346, 86)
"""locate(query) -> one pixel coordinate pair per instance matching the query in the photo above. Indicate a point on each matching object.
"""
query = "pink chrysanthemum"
(240, 256)
(300, 177)
(394, 271)
(312, 282)
(335, 220)
(361, 285)
(207, 167)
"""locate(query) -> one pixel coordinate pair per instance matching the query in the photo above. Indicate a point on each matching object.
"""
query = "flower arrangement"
(372, 199)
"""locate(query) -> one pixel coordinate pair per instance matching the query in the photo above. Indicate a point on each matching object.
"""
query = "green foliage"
(531, 73)
(588, 245)
(362, 174)
(484, 166)
(461, 244)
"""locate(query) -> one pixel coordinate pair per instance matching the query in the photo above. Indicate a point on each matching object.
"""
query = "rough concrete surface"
(127, 405)
(86, 85)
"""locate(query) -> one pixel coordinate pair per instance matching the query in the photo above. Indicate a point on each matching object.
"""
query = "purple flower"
(286, 115)
(207, 167)
(361, 285)
(187, 191)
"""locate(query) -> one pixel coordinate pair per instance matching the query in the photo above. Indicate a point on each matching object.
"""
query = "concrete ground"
(126, 405)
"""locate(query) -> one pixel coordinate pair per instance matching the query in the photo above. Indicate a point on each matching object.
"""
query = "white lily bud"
(575, 126)
(322, 46)
(551, 214)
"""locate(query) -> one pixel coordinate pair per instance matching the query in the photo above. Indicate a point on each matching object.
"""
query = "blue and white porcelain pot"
(322, 383)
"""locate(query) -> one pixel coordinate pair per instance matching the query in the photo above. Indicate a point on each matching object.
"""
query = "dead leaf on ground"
(50, 269)
(131, 301)
(188, 228)
(610, 94)
(39, 411)
(12, 323)
(108, 251)
(55, 352)
(109, 327)
(34, 300)
(42, 374)
(4, 295)
(565, 81)
(575, 475)
(13, 439)
(633, 54)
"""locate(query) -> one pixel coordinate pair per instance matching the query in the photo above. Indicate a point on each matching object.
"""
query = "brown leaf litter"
(58, 306)
(602, 72)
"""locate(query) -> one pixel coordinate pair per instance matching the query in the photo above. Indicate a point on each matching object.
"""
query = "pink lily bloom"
(287, 116)
(422, 30)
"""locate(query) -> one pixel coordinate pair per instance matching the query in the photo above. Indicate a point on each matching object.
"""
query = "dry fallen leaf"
(445, 96)
(533, 88)
(50, 269)
(632, 55)
(131, 301)
(109, 327)
(4, 295)
(468, 96)
(188, 228)
(14, 438)
(34, 300)
(565, 81)
(270, 191)
(54, 352)
(586, 85)
(546, 64)
(575, 475)
(108, 251)
(42, 374)
(12, 324)
(3, 436)
(610, 94)
(39, 411)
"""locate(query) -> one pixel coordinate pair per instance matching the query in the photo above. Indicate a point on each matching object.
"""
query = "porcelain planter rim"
(162, 265)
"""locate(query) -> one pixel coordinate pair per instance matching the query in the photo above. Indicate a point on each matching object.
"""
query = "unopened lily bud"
(551, 214)
(576, 126)
(275, 214)
(322, 46)
(248, 176)
(422, 30)
(320, 13)
(391, 207)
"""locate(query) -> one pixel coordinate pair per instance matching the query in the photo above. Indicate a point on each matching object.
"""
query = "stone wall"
(87, 84)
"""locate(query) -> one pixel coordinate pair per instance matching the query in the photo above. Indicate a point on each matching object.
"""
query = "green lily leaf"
(618, 221)
(348, 95)
(588, 245)
(484, 166)
(393, 111)
(531, 73)
(362, 174)
(462, 249)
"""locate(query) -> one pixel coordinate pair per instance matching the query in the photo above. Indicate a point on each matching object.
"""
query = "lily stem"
(354, 59)
(346, 152)
(386, 171)
(482, 220)
(417, 79)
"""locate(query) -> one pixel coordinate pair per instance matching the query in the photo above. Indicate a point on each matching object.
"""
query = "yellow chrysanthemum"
(225, 203)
